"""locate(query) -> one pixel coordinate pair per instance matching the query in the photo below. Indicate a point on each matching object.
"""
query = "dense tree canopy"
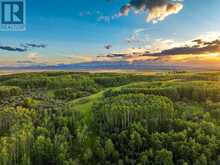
(72, 118)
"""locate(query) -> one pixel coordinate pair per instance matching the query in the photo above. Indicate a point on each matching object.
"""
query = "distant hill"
(97, 65)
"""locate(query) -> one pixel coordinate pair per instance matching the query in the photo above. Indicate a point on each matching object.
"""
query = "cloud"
(198, 41)
(125, 9)
(29, 60)
(157, 10)
(22, 48)
(104, 18)
(108, 47)
(13, 49)
(33, 56)
(108, 19)
(196, 47)
(35, 45)
(25, 62)
(202, 46)
(79, 58)
(28, 63)
(101, 17)
(89, 13)
(136, 37)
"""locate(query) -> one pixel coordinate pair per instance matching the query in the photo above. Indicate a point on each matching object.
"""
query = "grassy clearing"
(84, 104)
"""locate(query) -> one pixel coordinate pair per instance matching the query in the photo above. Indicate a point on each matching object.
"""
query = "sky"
(154, 31)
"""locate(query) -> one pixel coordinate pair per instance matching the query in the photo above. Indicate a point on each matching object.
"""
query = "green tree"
(109, 148)
(42, 151)
(164, 157)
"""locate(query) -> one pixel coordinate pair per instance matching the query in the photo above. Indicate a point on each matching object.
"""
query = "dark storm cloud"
(157, 10)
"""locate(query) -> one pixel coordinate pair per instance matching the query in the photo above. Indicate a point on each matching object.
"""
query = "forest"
(81, 118)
